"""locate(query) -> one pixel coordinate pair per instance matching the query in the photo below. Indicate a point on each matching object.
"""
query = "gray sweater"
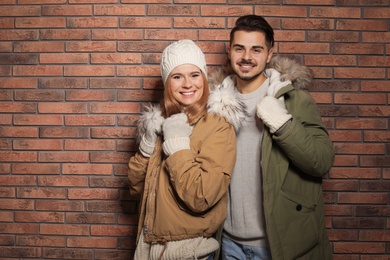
(244, 222)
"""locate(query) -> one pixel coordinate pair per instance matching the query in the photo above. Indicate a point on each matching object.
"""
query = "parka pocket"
(296, 225)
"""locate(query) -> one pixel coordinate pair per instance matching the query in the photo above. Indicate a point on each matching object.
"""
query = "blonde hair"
(170, 106)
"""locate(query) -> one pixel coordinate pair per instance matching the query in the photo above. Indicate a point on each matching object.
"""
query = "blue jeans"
(232, 250)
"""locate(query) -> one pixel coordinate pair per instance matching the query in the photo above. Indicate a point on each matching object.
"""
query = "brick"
(158, 34)
(39, 70)
(139, 71)
(39, 95)
(109, 157)
(6, 95)
(18, 59)
(6, 217)
(372, 211)
(92, 22)
(20, 11)
(357, 48)
(116, 58)
(85, 71)
(379, 99)
(117, 34)
(95, 169)
(358, 198)
(124, 120)
(334, 60)
(340, 185)
(18, 83)
(18, 156)
(371, 136)
(346, 148)
(62, 58)
(120, 254)
(117, 108)
(37, 120)
(374, 235)
(17, 107)
(90, 95)
(92, 120)
(62, 108)
(226, 11)
(286, 47)
(59, 205)
(45, 217)
(24, 252)
(119, 10)
(358, 223)
(142, 95)
(33, 169)
(361, 25)
(91, 46)
(307, 24)
(365, 248)
(376, 37)
(345, 160)
(375, 186)
(6, 22)
(63, 181)
(67, 10)
(42, 2)
(107, 230)
(67, 253)
(214, 35)
(41, 193)
(93, 194)
(36, 145)
(106, 182)
(89, 145)
(373, 86)
(7, 193)
(374, 61)
(376, 111)
(360, 123)
(90, 218)
(275, 11)
(94, 242)
(134, 46)
(17, 205)
(173, 10)
(355, 173)
(64, 132)
(68, 34)
(5, 145)
(113, 133)
(198, 22)
(50, 241)
(40, 22)
(5, 168)
(114, 83)
(342, 235)
(9, 228)
(62, 157)
(5, 70)
(335, 12)
(375, 161)
(62, 83)
(145, 22)
(70, 230)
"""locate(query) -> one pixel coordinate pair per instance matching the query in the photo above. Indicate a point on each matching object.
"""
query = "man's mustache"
(246, 62)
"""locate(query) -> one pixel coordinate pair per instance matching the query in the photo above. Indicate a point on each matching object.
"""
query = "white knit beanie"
(179, 53)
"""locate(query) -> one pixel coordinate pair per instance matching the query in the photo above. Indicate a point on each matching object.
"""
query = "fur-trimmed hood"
(281, 71)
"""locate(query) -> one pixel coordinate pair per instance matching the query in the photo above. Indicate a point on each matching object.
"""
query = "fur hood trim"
(289, 70)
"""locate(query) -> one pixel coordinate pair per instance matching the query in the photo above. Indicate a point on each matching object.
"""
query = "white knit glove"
(153, 128)
(177, 131)
(273, 113)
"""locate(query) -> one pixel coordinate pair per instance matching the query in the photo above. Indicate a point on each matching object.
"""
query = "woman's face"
(186, 84)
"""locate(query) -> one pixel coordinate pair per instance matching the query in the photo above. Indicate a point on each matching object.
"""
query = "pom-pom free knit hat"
(179, 53)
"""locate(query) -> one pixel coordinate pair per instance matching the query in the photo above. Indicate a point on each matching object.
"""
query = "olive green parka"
(293, 162)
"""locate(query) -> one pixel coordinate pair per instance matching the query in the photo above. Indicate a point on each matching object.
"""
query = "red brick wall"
(74, 75)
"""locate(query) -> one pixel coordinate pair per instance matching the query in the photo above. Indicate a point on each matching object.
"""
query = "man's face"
(249, 54)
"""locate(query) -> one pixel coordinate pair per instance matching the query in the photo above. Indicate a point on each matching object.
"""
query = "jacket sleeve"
(200, 177)
(136, 173)
(305, 141)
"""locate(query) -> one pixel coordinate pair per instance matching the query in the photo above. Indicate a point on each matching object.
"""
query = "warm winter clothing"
(184, 195)
(294, 160)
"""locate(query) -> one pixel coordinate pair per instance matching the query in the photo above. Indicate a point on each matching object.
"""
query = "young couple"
(230, 166)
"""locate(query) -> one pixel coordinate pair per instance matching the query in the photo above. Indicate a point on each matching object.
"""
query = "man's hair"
(254, 23)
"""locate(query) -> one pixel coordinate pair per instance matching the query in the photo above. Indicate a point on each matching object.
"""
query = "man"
(275, 205)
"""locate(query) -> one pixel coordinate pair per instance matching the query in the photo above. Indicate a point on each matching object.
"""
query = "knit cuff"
(175, 144)
(145, 147)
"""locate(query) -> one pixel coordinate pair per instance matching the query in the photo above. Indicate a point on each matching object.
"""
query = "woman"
(185, 160)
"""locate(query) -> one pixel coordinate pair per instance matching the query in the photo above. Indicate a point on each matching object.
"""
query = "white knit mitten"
(273, 112)
(177, 131)
(153, 128)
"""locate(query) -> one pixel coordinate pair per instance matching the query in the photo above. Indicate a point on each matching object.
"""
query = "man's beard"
(246, 78)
